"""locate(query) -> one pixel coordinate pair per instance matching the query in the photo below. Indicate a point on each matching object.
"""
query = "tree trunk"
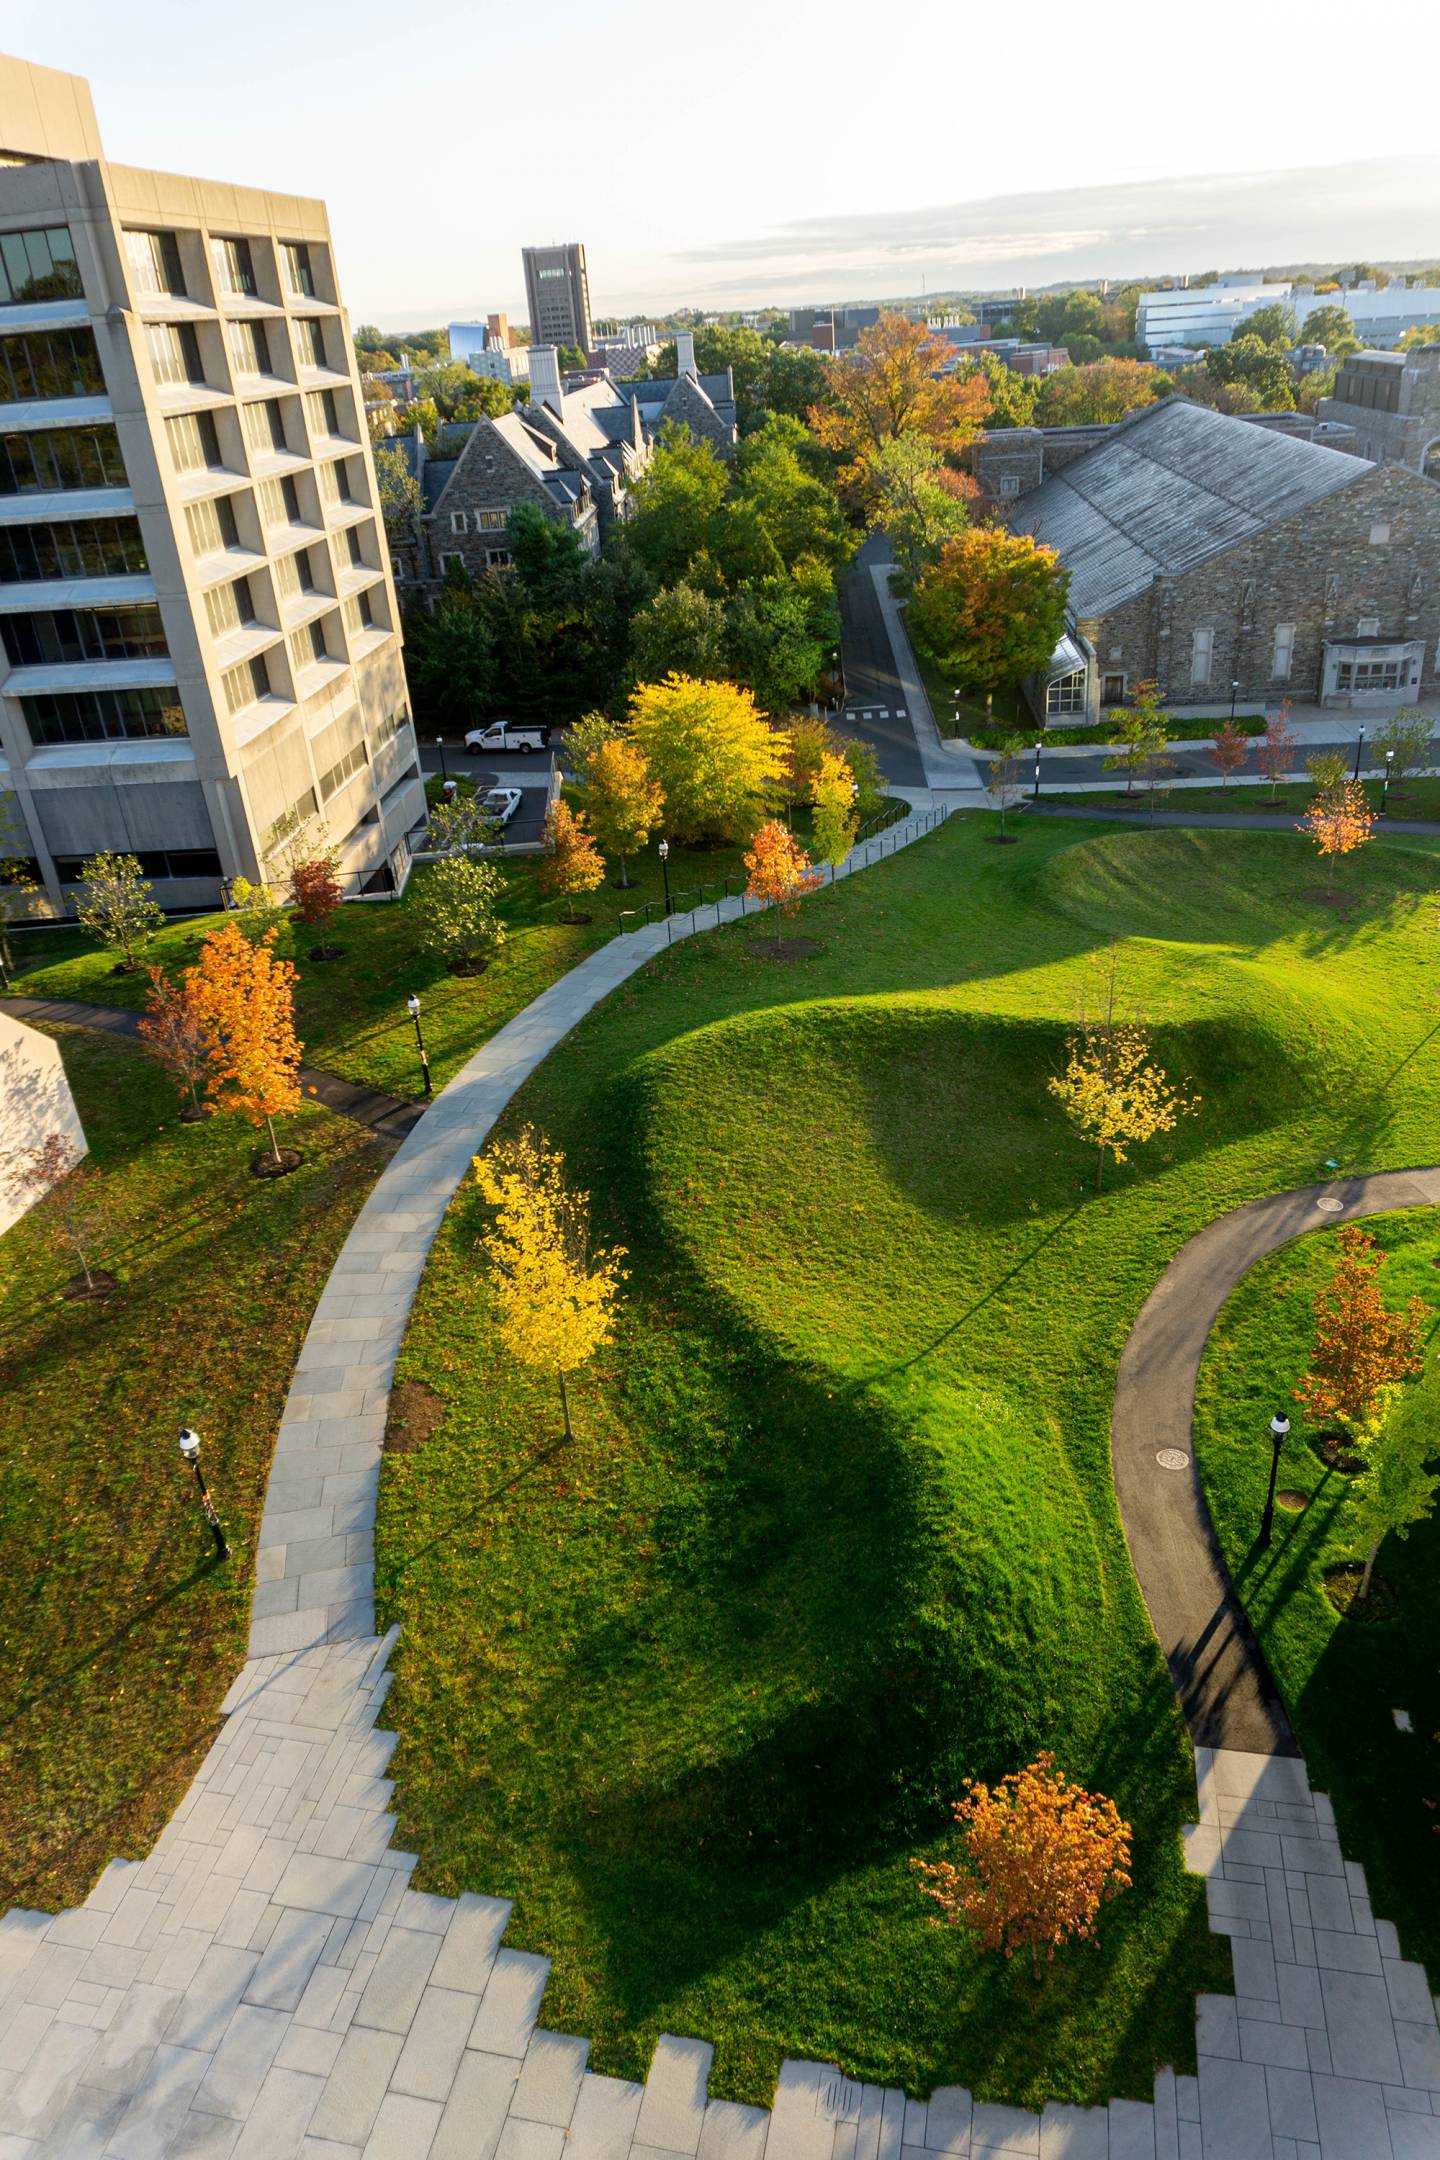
(1369, 1565)
(569, 907)
(779, 927)
(274, 1143)
(626, 881)
(85, 1269)
(565, 1406)
(1100, 1167)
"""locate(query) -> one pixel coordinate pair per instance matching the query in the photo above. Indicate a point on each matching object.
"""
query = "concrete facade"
(199, 641)
(35, 1101)
(557, 293)
(1199, 315)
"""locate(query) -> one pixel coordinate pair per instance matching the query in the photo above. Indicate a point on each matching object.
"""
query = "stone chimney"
(545, 379)
(685, 354)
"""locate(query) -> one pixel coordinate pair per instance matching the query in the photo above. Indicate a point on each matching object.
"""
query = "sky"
(767, 152)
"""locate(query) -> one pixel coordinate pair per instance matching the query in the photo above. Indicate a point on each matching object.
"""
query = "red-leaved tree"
(1229, 750)
(1276, 753)
(781, 872)
(175, 1036)
(315, 892)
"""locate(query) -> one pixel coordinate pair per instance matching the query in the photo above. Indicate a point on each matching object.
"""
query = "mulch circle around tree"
(573, 922)
(264, 1164)
(1342, 1587)
(326, 952)
(1336, 1452)
(790, 948)
(476, 966)
(1002, 839)
(126, 967)
(416, 1411)
(195, 1113)
(1293, 1502)
(100, 1285)
(1318, 897)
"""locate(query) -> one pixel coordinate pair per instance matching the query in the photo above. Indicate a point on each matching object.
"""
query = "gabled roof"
(1171, 485)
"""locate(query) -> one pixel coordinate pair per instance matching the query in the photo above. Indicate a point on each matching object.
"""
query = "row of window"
(81, 716)
(154, 863)
(86, 547)
(49, 364)
(1202, 655)
(483, 520)
(61, 637)
(40, 464)
(38, 265)
(156, 265)
(354, 760)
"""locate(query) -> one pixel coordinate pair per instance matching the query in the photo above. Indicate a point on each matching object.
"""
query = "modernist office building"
(198, 630)
(557, 292)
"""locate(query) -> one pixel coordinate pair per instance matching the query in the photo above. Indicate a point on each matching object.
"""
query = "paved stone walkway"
(266, 1986)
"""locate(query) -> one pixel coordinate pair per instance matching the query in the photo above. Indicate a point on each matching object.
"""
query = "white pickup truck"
(522, 735)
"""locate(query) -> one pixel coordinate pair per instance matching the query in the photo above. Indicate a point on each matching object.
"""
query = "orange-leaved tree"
(1228, 751)
(1362, 1346)
(571, 862)
(623, 799)
(781, 873)
(556, 1296)
(243, 999)
(992, 609)
(316, 895)
(1039, 1856)
(1338, 819)
(174, 1034)
(1276, 753)
(892, 384)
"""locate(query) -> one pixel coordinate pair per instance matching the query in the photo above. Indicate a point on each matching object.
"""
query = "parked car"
(501, 803)
(519, 735)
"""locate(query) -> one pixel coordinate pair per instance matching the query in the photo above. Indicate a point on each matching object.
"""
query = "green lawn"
(119, 1633)
(1419, 798)
(838, 1527)
(1340, 1681)
(350, 1013)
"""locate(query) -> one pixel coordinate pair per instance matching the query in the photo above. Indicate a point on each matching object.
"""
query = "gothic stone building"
(1224, 560)
(572, 453)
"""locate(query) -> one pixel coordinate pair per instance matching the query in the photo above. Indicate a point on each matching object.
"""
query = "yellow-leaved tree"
(1113, 1091)
(833, 792)
(719, 765)
(556, 1296)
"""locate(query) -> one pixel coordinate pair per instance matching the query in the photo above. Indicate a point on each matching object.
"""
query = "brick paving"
(267, 1986)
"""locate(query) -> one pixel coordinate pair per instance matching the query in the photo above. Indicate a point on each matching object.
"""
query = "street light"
(1279, 1432)
(1359, 746)
(1036, 796)
(190, 1449)
(1385, 787)
(665, 871)
(1234, 693)
(440, 746)
(412, 1006)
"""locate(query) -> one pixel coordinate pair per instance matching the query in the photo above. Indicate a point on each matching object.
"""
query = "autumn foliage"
(242, 999)
(571, 862)
(315, 892)
(623, 800)
(1339, 819)
(1228, 751)
(556, 1297)
(781, 873)
(1362, 1347)
(1276, 753)
(1113, 1092)
(175, 1036)
(992, 609)
(1039, 1856)
(892, 384)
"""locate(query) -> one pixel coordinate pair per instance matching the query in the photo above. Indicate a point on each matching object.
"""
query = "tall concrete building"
(199, 643)
(557, 292)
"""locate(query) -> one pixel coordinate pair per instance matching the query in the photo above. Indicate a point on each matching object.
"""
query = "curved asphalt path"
(1226, 1691)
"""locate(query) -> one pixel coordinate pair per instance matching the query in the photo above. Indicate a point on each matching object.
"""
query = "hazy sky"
(761, 150)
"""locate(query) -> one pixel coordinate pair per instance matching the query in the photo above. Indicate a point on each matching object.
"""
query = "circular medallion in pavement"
(1330, 1207)
(1173, 1458)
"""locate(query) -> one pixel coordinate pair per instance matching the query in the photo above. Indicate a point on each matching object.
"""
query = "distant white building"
(485, 348)
(1192, 316)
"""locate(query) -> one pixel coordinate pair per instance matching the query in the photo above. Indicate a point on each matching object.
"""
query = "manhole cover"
(1330, 1207)
(1173, 1458)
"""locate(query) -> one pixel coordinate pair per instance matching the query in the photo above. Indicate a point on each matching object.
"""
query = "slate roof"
(1169, 487)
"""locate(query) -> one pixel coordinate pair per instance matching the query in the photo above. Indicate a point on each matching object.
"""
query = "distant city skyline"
(809, 159)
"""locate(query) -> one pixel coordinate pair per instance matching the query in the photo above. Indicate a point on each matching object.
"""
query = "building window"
(49, 364)
(299, 276)
(62, 637)
(309, 646)
(194, 443)
(246, 684)
(1009, 485)
(1282, 659)
(310, 338)
(230, 607)
(1368, 626)
(174, 353)
(353, 761)
(1113, 690)
(324, 413)
(356, 548)
(38, 265)
(249, 348)
(91, 547)
(212, 526)
(265, 425)
(1202, 653)
(1065, 695)
(280, 502)
(447, 560)
(103, 716)
(154, 259)
(492, 520)
(1380, 533)
(299, 573)
(289, 821)
(360, 615)
(459, 521)
(68, 458)
(234, 266)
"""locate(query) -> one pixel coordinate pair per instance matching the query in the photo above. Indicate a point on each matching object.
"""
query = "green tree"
(401, 497)
(456, 911)
(801, 514)
(19, 896)
(682, 631)
(1401, 1478)
(773, 644)
(916, 501)
(450, 656)
(1329, 325)
(711, 751)
(1260, 369)
(1405, 742)
(484, 399)
(1096, 395)
(547, 557)
(1012, 397)
(1143, 732)
(676, 505)
(446, 384)
(115, 905)
(1273, 325)
(992, 609)
(1368, 274)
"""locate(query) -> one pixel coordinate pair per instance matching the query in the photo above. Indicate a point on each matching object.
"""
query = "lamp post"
(1279, 1431)
(440, 746)
(1234, 693)
(190, 1449)
(1036, 796)
(1385, 784)
(1359, 746)
(412, 1006)
(665, 871)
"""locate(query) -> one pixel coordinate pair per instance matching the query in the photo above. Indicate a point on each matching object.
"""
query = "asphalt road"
(530, 775)
(875, 704)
